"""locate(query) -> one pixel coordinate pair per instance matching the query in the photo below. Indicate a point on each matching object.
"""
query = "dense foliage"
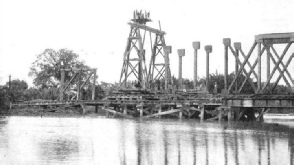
(46, 70)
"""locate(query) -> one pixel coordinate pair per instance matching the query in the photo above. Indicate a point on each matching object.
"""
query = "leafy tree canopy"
(17, 88)
(46, 68)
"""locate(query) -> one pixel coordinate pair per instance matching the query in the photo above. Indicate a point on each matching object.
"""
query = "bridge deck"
(259, 101)
(123, 102)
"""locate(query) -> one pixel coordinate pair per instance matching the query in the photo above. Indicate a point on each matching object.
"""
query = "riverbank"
(60, 112)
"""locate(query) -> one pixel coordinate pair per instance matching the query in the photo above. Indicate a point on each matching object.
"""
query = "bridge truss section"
(267, 64)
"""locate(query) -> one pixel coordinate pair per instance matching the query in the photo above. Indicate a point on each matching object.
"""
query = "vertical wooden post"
(180, 115)
(181, 111)
(220, 113)
(79, 85)
(140, 54)
(260, 116)
(202, 112)
(237, 46)
(94, 84)
(83, 109)
(9, 83)
(268, 62)
(61, 95)
(125, 109)
(167, 50)
(181, 53)
(208, 49)
(230, 114)
(159, 111)
(259, 68)
(107, 113)
(96, 108)
(140, 110)
(196, 46)
(226, 42)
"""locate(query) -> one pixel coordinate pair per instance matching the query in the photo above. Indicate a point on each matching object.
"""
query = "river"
(53, 140)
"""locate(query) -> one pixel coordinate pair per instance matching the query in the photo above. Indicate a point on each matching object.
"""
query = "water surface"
(36, 140)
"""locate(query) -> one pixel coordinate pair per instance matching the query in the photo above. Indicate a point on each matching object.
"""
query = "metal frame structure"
(137, 66)
(77, 74)
(263, 43)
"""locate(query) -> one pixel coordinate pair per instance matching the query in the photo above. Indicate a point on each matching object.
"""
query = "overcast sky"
(98, 30)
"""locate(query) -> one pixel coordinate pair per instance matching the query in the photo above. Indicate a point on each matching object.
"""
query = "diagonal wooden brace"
(276, 54)
(277, 65)
(249, 64)
(133, 68)
(274, 61)
(74, 76)
(160, 73)
(251, 70)
(282, 73)
(242, 68)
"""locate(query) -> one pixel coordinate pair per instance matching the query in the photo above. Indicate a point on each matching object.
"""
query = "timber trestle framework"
(79, 84)
(265, 45)
(134, 61)
(276, 67)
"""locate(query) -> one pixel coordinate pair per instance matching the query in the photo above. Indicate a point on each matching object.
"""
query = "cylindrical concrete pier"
(237, 46)
(226, 42)
(181, 53)
(196, 46)
(208, 50)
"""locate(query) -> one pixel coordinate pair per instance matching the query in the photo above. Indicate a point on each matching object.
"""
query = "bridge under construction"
(149, 91)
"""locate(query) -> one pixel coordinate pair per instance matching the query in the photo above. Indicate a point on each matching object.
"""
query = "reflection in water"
(236, 147)
(194, 149)
(225, 141)
(122, 145)
(31, 140)
(60, 149)
(291, 144)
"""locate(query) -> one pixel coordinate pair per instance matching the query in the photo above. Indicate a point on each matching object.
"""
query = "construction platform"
(144, 104)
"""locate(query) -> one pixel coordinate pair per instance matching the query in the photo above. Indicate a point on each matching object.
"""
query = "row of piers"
(181, 54)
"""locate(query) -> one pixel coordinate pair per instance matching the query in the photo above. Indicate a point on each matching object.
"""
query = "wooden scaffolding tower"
(134, 62)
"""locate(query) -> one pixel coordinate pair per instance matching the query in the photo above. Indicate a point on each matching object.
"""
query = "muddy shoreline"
(54, 112)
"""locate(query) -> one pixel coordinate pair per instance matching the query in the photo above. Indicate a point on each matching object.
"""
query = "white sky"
(98, 30)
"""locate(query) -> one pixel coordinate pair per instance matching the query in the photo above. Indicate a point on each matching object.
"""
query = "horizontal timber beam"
(117, 113)
(161, 113)
(156, 31)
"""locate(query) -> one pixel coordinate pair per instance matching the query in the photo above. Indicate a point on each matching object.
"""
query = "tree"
(4, 100)
(46, 70)
(99, 93)
(31, 94)
(219, 80)
(16, 91)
